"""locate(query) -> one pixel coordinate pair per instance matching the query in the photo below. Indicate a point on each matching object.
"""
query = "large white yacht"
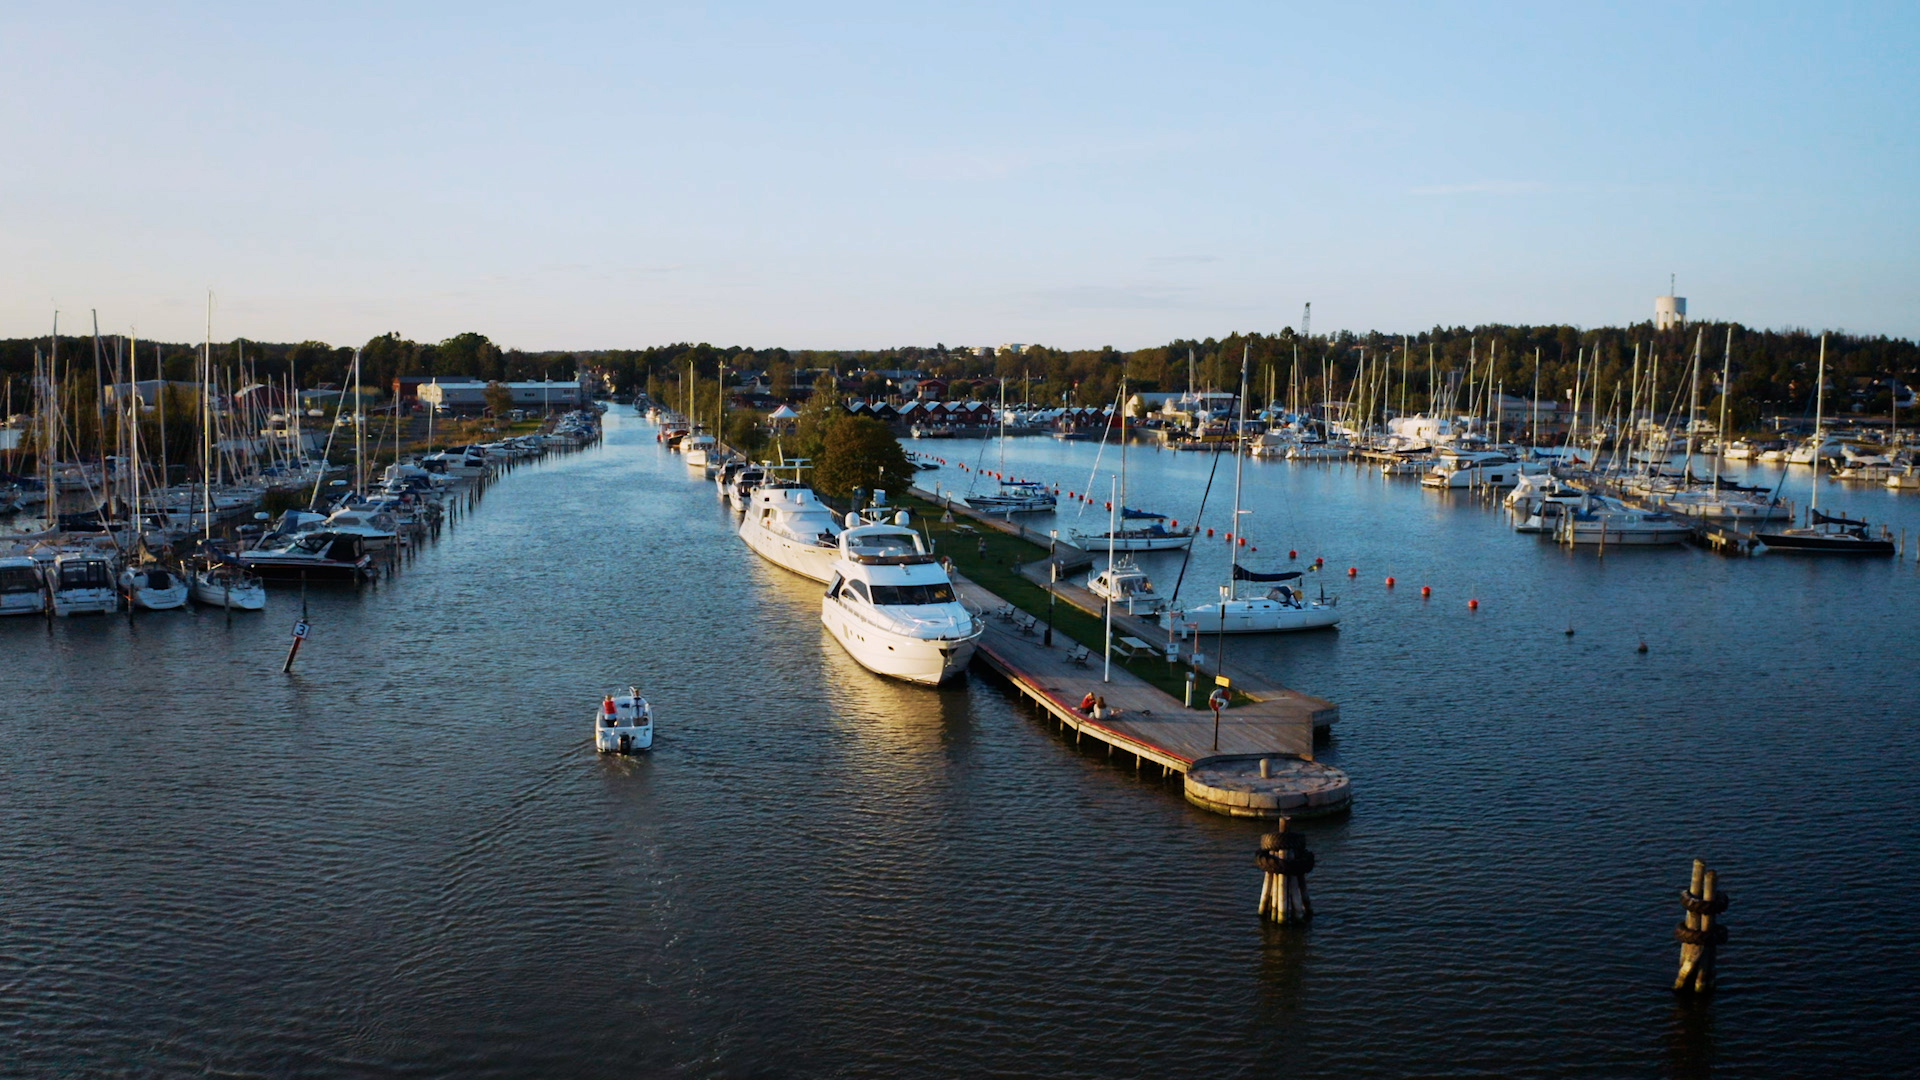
(1477, 468)
(788, 525)
(893, 608)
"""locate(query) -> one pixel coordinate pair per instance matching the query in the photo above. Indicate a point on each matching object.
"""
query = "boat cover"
(1241, 573)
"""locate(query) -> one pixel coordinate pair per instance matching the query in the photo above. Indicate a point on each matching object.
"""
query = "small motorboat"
(623, 724)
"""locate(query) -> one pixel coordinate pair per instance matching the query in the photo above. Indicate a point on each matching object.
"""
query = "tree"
(499, 399)
(861, 452)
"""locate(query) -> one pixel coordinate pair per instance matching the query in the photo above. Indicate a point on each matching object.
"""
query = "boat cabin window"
(86, 575)
(908, 595)
(833, 589)
(859, 589)
(19, 579)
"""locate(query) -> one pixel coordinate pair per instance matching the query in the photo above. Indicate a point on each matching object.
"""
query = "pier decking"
(1221, 772)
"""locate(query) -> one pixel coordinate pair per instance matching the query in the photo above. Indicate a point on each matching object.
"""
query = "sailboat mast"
(1239, 471)
(1693, 404)
(206, 423)
(359, 429)
(1726, 384)
(1819, 418)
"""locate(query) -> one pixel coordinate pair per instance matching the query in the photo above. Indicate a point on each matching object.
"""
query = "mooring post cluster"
(1284, 858)
(1700, 936)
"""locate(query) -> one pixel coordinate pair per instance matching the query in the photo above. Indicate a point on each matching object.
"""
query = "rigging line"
(1188, 557)
(1095, 471)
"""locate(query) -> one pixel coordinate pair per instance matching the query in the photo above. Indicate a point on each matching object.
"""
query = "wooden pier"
(1221, 767)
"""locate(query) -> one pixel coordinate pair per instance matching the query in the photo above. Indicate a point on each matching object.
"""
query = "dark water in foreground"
(405, 859)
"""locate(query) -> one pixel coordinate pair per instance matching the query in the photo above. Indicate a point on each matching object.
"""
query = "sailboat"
(218, 583)
(1152, 535)
(1824, 534)
(1014, 496)
(1276, 605)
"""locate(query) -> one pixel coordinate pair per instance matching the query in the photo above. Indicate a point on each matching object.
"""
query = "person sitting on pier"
(1100, 711)
(1087, 703)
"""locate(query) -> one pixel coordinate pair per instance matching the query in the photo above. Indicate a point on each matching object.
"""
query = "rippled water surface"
(406, 859)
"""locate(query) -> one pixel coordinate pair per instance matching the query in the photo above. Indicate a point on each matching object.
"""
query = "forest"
(1772, 370)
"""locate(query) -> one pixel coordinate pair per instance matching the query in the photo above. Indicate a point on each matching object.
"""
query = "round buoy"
(1209, 532)
(1243, 541)
(1642, 648)
(1176, 523)
(1292, 553)
(1109, 504)
(1389, 583)
(1569, 631)
(1473, 605)
(1426, 590)
(1319, 562)
(1353, 571)
(1229, 538)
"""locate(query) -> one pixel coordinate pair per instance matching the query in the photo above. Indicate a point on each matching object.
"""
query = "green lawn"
(999, 571)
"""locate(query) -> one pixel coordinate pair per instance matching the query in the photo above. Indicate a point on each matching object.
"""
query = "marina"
(475, 862)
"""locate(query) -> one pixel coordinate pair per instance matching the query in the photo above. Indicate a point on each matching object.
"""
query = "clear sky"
(820, 175)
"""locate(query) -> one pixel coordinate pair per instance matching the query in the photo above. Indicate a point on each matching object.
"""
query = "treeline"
(1772, 369)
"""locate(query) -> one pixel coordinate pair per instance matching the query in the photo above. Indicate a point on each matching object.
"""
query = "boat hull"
(927, 661)
(807, 560)
(1824, 545)
(85, 602)
(249, 597)
(1165, 542)
(1254, 617)
(1584, 533)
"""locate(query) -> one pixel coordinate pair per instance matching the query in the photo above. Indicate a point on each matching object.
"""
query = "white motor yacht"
(694, 449)
(376, 529)
(153, 587)
(740, 489)
(623, 724)
(1128, 586)
(1471, 469)
(1015, 497)
(892, 606)
(83, 584)
(23, 591)
(788, 525)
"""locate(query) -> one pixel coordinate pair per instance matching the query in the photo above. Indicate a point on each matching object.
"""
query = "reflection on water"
(406, 857)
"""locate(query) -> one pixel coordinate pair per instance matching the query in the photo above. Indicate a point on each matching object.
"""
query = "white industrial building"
(471, 396)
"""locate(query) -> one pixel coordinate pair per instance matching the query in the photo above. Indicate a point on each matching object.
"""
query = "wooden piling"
(1285, 863)
(1699, 936)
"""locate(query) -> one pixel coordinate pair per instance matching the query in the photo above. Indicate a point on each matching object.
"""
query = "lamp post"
(1053, 578)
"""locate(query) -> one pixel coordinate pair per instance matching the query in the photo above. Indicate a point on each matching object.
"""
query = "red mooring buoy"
(1426, 590)
(1389, 583)
(1473, 605)
(1353, 571)
(1292, 554)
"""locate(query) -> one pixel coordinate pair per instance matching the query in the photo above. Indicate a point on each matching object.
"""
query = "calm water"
(406, 860)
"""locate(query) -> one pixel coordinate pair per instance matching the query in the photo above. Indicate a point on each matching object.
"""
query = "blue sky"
(862, 175)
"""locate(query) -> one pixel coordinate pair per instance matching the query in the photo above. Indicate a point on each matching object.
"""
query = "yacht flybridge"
(892, 606)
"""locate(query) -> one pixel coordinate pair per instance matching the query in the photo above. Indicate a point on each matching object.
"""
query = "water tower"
(1669, 311)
